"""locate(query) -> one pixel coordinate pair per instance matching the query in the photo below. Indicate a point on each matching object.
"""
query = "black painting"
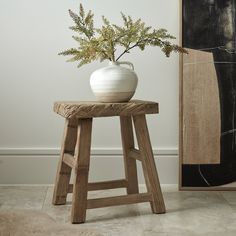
(210, 25)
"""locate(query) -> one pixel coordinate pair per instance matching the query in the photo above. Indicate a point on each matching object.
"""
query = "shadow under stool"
(75, 154)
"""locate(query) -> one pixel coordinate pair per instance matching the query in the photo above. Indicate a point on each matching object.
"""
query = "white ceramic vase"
(114, 83)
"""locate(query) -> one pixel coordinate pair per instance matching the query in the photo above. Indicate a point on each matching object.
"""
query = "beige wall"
(32, 77)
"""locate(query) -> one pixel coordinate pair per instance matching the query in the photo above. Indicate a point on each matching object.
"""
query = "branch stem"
(126, 51)
(135, 45)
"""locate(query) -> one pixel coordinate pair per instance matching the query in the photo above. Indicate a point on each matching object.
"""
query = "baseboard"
(169, 151)
(38, 166)
(165, 187)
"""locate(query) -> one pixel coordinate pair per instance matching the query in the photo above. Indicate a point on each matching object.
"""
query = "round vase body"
(114, 83)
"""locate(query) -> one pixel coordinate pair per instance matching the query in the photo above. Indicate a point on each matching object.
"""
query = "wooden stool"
(75, 154)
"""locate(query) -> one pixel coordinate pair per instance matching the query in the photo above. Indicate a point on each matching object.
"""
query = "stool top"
(89, 109)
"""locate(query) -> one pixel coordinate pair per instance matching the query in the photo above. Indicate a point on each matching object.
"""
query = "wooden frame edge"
(180, 96)
(218, 188)
(180, 187)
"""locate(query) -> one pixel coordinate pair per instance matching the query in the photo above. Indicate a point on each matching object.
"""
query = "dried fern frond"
(102, 43)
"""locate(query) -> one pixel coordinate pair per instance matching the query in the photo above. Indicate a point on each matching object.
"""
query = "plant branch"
(163, 43)
(101, 43)
(127, 50)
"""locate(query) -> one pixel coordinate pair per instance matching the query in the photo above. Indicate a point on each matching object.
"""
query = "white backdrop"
(33, 76)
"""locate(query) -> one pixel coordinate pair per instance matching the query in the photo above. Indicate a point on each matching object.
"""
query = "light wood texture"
(220, 188)
(63, 170)
(75, 154)
(201, 109)
(97, 109)
(134, 153)
(129, 163)
(180, 95)
(82, 155)
(69, 160)
(119, 200)
(150, 172)
(120, 183)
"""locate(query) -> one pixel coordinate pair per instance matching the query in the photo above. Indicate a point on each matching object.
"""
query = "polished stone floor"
(188, 213)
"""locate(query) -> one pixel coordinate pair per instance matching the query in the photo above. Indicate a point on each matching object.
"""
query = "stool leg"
(80, 185)
(64, 171)
(129, 163)
(152, 180)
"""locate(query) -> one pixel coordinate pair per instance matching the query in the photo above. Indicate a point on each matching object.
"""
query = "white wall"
(33, 76)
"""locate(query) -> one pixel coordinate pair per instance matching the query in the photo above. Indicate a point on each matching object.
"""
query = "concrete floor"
(188, 213)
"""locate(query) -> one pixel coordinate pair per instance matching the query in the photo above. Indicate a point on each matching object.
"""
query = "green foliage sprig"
(102, 43)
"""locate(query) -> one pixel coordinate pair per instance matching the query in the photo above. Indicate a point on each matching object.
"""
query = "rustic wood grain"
(201, 109)
(119, 200)
(135, 154)
(129, 163)
(80, 184)
(180, 95)
(150, 171)
(71, 110)
(111, 184)
(69, 160)
(75, 155)
(64, 171)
